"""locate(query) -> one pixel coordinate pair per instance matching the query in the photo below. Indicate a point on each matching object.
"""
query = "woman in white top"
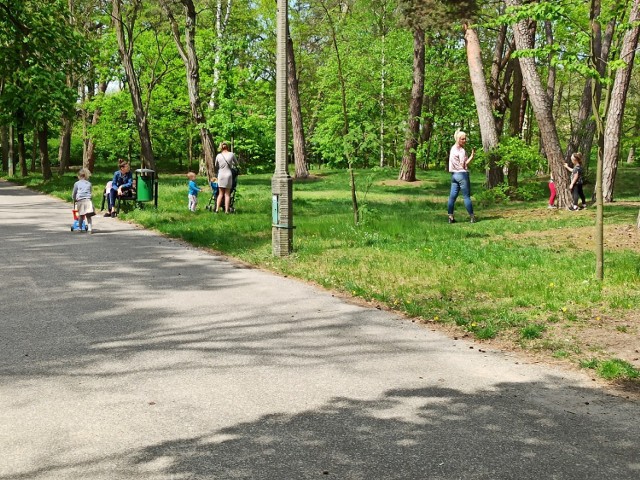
(458, 164)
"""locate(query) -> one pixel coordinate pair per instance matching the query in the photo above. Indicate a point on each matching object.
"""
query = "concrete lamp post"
(281, 183)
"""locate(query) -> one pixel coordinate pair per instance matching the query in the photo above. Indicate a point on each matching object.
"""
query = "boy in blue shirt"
(193, 191)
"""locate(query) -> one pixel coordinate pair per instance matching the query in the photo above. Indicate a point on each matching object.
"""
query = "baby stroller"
(76, 225)
(211, 206)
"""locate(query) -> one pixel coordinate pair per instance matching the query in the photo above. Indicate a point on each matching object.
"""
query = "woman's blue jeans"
(460, 182)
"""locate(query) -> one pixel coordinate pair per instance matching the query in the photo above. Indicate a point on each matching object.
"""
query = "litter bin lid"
(144, 170)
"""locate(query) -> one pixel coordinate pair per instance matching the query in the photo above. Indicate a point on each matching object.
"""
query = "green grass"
(532, 331)
(612, 369)
(495, 278)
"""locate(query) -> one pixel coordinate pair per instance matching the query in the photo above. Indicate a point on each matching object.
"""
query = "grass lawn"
(522, 277)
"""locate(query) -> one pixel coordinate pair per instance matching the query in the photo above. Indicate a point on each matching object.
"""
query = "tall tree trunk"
(64, 150)
(582, 134)
(90, 158)
(499, 90)
(34, 151)
(11, 156)
(516, 119)
(543, 110)
(383, 73)
(126, 56)
(408, 168)
(4, 140)
(426, 133)
(22, 151)
(613, 123)
(515, 112)
(43, 138)
(222, 19)
(297, 126)
(488, 130)
(343, 85)
(636, 135)
(551, 77)
(189, 57)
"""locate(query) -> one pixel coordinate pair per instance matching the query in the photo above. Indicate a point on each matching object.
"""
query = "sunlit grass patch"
(612, 369)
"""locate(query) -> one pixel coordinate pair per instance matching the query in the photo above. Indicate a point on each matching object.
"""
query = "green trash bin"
(144, 181)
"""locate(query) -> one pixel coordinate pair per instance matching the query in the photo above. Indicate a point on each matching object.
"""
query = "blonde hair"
(84, 173)
(577, 157)
(191, 176)
(458, 134)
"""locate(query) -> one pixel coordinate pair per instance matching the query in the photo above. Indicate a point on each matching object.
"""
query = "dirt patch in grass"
(616, 237)
(402, 183)
(602, 336)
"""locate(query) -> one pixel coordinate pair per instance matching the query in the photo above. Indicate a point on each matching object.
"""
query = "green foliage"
(38, 46)
(532, 331)
(515, 151)
(612, 369)
(494, 196)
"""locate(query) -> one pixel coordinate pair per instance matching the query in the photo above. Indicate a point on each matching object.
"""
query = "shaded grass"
(406, 256)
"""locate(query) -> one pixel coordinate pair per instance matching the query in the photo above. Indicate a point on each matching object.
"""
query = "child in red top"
(552, 192)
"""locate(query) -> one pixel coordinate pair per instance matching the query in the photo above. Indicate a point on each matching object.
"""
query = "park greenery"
(520, 277)
(378, 86)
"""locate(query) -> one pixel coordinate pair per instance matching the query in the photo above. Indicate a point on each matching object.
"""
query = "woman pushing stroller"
(226, 167)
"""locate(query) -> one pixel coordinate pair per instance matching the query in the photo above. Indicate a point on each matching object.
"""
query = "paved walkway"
(126, 355)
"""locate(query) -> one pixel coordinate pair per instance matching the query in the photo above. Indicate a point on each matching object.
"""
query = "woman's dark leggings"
(576, 192)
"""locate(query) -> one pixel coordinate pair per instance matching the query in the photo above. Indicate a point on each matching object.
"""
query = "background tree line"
(372, 83)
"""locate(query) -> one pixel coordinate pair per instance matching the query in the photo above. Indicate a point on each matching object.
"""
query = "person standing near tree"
(226, 170)
(576, 181)
(552, 192)
(460, 181)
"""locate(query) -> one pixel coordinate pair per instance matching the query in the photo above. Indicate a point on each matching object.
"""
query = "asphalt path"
(128, 355)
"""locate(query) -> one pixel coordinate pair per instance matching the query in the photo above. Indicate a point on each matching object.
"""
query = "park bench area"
(145, 189)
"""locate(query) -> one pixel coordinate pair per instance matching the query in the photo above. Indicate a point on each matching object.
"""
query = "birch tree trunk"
(221, 26)
(408, 168)
(613, 123)
(542, 109)
(488, 130)
(125, 47)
